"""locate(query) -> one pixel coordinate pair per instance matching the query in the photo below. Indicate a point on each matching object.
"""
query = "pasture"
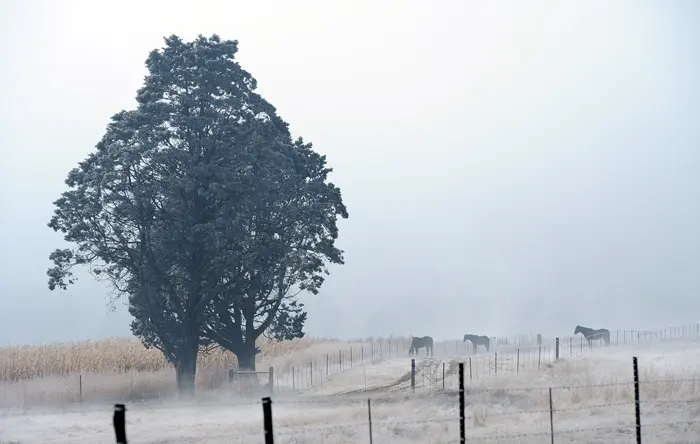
(507, 396)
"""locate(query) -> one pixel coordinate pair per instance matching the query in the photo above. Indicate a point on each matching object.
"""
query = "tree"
(167, 206)
(291, 230)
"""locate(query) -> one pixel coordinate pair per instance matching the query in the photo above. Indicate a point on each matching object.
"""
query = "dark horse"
(591, 334)
(477, 340)
(425, 341)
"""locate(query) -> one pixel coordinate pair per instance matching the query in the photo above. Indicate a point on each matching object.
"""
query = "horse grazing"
(591, 334)
(477, 340)
(425, 341)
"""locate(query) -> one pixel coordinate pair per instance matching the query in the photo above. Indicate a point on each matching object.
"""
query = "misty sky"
(510, 168)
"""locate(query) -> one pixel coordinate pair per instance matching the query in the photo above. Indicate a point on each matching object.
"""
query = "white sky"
(511, 167)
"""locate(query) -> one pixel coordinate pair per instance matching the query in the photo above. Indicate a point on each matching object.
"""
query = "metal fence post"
(637, 414)
(462, 428)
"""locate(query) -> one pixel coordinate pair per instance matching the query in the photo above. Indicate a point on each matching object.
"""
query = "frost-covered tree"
(291, 231)
(195, 202)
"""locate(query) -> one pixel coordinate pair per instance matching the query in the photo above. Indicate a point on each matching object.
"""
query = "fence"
(632, 411)
(509, 355)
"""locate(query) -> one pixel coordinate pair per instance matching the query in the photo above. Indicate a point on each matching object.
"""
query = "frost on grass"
(593, 400)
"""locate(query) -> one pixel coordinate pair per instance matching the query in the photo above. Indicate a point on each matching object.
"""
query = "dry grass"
(115, 356)
(124, 368)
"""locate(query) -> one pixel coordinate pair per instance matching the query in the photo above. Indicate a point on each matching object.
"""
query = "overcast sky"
(511, 167)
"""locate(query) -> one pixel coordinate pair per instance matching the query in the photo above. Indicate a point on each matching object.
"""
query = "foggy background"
(508, 168)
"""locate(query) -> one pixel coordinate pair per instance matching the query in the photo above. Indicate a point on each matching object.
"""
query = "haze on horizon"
(508, 168)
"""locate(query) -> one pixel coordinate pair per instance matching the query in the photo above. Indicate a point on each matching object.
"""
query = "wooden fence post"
(413, 374)
(443, 375)
(119, 421)
(271, 379)
(267, 420)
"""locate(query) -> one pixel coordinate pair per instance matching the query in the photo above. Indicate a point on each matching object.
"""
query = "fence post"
(350, 357)
(539, 358)
(340, 359)
(517, 363)
(462, 431)
(271, 378)
(495, 364)
(413, 374)
(551, 415)
(637, 414)
(311, 372)
(267, 420)
(443, 375)
(120, 423)
(80, 388)
(293, 381)
(328, 364)
(470, 368)
(557, 349)
(369, 415)
(539, 339)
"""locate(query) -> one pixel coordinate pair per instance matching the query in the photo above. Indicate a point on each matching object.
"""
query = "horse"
(591, 334)
(477, 340)
(425, 341)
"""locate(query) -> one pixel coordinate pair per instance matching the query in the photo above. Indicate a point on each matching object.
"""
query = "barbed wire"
(482, 437)
(296, 430)
(378, 396)
(671, 401)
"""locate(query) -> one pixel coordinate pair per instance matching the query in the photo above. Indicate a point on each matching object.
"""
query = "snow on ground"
(596, 405)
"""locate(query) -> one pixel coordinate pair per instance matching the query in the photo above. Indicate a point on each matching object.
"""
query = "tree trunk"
(246, 357)
(186, 368)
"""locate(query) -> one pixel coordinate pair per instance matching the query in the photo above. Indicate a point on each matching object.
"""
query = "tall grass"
(115, 356)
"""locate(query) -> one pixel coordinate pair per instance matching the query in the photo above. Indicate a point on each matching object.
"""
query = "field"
(507, 396)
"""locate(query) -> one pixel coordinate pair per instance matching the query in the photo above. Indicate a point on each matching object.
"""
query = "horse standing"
(420, 342)
(477, 340)
(591, 334)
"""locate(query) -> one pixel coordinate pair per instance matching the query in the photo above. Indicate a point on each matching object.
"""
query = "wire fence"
(360, 366)
(507, 355)
(636, 410)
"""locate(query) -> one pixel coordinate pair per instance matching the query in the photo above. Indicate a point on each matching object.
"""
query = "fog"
(508, 168)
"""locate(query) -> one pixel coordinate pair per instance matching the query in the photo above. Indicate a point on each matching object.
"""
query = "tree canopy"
(200, 208)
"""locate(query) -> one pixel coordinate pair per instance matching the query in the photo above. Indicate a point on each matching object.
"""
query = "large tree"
(290, 232)
(164, 207)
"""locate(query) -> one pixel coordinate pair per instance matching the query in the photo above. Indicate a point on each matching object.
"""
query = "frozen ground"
(592, 396)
